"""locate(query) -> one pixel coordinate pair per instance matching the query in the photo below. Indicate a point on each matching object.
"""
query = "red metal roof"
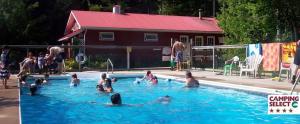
(130, 21)
(70, 35)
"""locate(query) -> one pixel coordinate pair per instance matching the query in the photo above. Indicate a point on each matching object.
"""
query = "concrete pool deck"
(9, 102)
(9, 98)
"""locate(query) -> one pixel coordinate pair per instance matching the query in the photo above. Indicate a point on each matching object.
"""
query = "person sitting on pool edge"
(190, 80)
(75, 81)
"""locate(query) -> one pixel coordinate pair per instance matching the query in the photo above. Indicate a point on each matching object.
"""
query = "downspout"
(84, 41)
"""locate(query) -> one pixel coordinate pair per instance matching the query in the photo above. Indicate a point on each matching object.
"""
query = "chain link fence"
(214, 57)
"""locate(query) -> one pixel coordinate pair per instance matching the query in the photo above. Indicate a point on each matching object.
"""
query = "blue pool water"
(60, 104)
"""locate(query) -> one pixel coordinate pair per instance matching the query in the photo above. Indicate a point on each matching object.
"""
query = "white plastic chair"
(285, 67)
(251, 65)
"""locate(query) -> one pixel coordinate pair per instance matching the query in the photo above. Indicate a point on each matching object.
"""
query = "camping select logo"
(283, 104)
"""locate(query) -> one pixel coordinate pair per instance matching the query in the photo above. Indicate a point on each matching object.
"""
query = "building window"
(184, 38)
(108, 36)
(210, 41)
(198, 41)
(150, 37)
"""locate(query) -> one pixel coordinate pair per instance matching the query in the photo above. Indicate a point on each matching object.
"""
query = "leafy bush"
(71, 64)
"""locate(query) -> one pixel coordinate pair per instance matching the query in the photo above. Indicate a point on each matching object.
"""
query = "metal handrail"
(295, 84)
(108, 61)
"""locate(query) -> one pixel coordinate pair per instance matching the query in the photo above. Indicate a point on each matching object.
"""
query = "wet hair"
(155, 77)
(74, 76)
(148, 72)
(39, 81)
(188, 74)
(103, 76)
(116, 99)
(32, 89)
(100, 88)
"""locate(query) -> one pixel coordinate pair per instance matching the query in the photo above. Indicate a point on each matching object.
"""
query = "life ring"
(81, 58)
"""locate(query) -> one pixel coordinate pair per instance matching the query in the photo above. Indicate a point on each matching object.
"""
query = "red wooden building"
(138, 38)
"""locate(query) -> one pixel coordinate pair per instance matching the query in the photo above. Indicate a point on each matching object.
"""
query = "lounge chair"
(230, 64)
(251, 64)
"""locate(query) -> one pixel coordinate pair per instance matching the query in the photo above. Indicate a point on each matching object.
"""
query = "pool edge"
(253, 89)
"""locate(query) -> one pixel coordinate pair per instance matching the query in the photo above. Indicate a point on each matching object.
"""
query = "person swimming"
(75, 81)
(100, 88)
(137, 81)
(46, 78)
(164, 100)
(107, 86)
(116, 99)
(114, 80)
(191, 82)
(102, 80)
(154, 80)
(33, 88)
(150, 77)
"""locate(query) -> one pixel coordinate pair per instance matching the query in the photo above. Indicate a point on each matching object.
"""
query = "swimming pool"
(58, 103)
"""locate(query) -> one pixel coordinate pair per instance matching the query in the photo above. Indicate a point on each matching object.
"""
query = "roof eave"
(151, 30)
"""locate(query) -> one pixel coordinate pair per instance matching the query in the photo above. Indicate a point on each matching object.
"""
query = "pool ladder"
(108, 62)
(295, 84)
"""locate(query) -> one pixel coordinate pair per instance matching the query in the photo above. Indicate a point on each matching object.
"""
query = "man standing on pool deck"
(177, 49)
(296, 63)
(56, 54)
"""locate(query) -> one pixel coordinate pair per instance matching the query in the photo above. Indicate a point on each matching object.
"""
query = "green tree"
(246, 21)
(252, 21)
(12, 21)
(187, 7)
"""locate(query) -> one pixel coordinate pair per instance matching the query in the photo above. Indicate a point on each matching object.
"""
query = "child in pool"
(149, 76)
(102, 80)
(75, 81)
(107, 86)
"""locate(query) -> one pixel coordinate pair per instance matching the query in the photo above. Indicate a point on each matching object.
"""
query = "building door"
(186, 53)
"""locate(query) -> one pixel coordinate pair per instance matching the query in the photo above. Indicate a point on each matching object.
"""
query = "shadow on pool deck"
(9, 102)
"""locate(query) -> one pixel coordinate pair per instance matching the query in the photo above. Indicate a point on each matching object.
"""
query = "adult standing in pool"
(191, 82)
(177, 52)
